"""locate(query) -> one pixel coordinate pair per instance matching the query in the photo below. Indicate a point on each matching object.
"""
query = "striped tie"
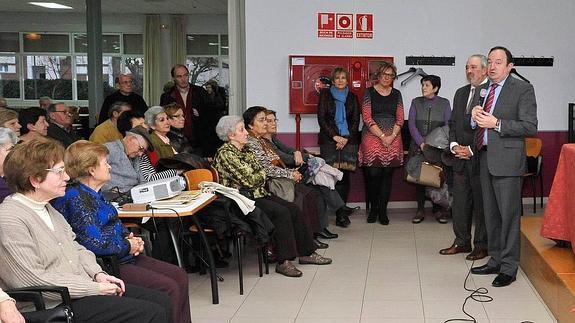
(479, 133)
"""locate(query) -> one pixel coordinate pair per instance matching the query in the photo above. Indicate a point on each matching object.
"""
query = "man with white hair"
(44, 102)
(125, 93)
(130, 164)
(60, 124)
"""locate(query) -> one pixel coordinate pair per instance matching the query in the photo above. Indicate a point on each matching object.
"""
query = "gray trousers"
(468, 206)
(501, 203)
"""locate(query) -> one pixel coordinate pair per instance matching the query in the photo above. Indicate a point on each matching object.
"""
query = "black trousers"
(420, 197)
(137, 305)
(379, 181)
(291, 236)
(343, 186)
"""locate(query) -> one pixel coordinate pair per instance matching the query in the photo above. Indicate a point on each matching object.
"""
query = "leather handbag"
(431, 175)
(282, 187)
(59, 314)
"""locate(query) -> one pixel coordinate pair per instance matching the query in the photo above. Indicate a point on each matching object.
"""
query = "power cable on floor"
(479, 295)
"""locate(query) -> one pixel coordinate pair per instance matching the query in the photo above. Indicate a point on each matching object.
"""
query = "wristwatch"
(498, 125)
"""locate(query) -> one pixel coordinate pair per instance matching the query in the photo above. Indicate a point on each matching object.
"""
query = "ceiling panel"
(127, 6)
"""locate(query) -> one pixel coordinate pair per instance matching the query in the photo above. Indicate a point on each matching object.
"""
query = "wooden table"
(559, 218)
(187, 210)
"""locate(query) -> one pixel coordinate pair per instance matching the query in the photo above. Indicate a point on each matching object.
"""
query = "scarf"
(340, 97)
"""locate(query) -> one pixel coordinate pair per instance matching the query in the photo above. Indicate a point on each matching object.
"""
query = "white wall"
(276, 29)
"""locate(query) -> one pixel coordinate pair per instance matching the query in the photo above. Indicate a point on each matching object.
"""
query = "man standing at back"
(192, 98)
(124, 94)
(467, 198)
(508, 115)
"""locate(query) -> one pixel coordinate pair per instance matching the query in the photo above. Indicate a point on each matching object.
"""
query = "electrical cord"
(479, 295)
(182, 240)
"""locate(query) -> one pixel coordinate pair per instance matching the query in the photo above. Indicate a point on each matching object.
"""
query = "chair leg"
(239, 247)
(534, 192)
(541, 187)
(260, 261)
(265, 254)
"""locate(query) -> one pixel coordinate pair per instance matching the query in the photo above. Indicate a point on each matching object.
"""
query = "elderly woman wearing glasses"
(157, 120)
(176, 134)
(7, 141)
(98, 228)
(38, 247)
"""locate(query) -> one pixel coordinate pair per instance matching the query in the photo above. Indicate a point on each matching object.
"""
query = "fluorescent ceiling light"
(51, 5)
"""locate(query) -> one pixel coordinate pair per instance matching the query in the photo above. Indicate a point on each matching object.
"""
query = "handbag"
(59, 314)
(431, 175)
(282, 187)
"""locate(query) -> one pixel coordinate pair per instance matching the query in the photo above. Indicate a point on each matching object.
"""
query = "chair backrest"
(533, 147)
(195, 176)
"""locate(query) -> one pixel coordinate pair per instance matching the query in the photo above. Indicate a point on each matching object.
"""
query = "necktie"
(470, 102)
(479, 133)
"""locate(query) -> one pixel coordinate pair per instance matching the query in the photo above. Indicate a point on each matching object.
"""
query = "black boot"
(383, 219)
(341, 219)
(373, 211)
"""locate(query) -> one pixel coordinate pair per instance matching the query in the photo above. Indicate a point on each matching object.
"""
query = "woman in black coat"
(339, 137)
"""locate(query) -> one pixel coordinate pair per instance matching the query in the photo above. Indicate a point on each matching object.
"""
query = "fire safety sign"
(344, 25)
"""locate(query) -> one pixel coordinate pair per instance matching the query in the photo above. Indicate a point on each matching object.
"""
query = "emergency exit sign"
(344, 25)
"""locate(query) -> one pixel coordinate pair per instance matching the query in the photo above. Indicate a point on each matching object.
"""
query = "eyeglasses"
(388, 75)
(177, 116)
(141, 148)
(273, 120)
(58, 170)
(66, 112)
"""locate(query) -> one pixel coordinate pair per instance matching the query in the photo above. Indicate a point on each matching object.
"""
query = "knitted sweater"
(105, 132)
(33, 255)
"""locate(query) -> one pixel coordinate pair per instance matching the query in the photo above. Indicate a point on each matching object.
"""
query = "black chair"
(534, 166)
(34, 295)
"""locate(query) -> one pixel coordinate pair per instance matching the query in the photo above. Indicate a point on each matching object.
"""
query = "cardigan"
(34, 255)
(95, 222)
(4, 296)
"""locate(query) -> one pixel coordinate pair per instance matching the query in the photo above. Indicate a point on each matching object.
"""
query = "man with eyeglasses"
(125, 93)
(60, 124)
(192, 99)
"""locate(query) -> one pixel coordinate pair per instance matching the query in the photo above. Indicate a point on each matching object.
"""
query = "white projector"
(157, 190)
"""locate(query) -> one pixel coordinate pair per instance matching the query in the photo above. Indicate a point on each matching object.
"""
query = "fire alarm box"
(309, 74)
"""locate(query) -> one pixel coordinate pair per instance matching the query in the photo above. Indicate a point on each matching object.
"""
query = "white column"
(237, 53)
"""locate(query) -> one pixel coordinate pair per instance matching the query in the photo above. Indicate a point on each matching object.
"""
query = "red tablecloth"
(559, 218)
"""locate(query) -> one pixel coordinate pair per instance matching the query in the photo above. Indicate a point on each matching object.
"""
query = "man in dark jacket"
(60, 124)
(192, 99)
(125, 93)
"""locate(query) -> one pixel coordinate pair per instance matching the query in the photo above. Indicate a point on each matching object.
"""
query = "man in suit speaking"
(508, 115)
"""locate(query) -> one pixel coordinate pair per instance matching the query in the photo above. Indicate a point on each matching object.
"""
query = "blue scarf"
(340, 97)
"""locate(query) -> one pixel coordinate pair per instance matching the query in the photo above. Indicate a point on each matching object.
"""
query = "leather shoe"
(454, 249)
(350, 210)
(326, 234)
(484, 270)
(320, 245)
(419, 216)
(477, 254)
(502, 280)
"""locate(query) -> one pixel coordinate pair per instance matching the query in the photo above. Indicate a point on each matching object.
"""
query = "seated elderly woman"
(7, 140)
(38, 247)
(308, 199)
(33, 122)
(9, 119)
(295, 158)
(157, 120)
(240, 169)
(98, 228)
(176, 135)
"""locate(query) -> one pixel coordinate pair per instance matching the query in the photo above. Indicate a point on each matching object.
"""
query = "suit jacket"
(516, 107)
(66, 138)
(460, 130)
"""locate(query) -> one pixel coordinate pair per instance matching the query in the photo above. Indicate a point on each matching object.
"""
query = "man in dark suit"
(467, 199)
(60, 124)
(508, 115)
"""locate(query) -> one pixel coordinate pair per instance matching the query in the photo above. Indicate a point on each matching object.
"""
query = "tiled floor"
(380, 274)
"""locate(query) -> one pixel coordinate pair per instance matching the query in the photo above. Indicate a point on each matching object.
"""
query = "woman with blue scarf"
(339, 137)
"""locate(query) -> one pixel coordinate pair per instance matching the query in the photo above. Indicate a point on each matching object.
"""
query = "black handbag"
(59, 314)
